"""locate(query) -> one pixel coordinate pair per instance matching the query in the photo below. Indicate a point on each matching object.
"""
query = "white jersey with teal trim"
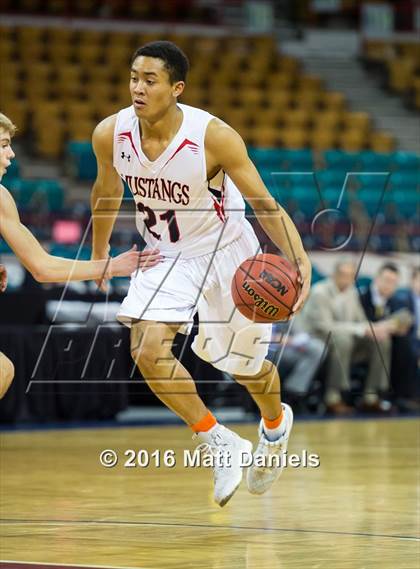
(177, 212)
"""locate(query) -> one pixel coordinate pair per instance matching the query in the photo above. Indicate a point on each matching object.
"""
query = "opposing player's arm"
(48, 268)
(226, 149)
(107, 191)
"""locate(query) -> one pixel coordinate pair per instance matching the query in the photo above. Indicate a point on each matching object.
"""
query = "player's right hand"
(3, 278)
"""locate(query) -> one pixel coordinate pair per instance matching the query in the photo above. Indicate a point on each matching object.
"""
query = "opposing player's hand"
(305, 273)
(132, 260)
(126, 263)
(3, 278)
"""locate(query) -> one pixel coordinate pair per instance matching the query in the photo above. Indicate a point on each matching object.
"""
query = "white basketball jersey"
(177, 212)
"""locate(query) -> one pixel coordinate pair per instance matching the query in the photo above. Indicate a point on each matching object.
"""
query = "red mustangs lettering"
(159, 189)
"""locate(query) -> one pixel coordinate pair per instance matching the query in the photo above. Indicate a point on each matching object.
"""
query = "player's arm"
(48, 268)
(107, 191)
(226, 149)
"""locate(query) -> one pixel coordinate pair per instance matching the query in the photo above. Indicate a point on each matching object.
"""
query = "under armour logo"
(124, 155)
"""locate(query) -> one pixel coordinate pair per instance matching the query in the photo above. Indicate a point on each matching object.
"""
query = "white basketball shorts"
(176, 288)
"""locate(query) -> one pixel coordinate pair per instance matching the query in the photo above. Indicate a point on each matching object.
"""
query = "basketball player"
(187, 170)
(44, 267)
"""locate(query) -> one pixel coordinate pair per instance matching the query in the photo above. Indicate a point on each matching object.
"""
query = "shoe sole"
(226, 499)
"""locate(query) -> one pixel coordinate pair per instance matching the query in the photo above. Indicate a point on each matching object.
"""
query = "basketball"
(265, 288)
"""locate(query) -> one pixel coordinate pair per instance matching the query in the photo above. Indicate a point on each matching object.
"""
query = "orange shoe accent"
(273, 423)
(205, 424)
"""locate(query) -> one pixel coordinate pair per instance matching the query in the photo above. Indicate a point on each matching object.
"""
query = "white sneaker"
(229, 452)
(265, 468)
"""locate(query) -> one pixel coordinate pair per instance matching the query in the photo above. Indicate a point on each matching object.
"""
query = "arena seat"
(49, 141)
(81, 130)
(60, 35)
(268, 116)
(382, 142)
(53, 192)
(294, 138)
(331, 178)
(333, 101)
(70, 251)
(335, 198)
(266, 137)
(48, 191)
(310, 83)
(297, 118)
(397, 63)
(279, 100)
(17, 111)
(408, 203)
(353, 139)
(308, 199)
(356, 120)
(300, 159)
(307, 100)
(375, 161)
(407, 181)
(338, 159)
(250, 98)
(285, 106)
(7, 46)
(321, 139)
(407, 161)
(12, 174)
(372, 180)
(282, 159)
(279, 82)
(237, 118)
(266, 157)
(82, 160)
(61, 54)
(401, 73)
(374, 201)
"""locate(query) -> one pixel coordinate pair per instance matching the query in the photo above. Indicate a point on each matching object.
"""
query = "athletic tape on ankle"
(204, 424)
(273, 423)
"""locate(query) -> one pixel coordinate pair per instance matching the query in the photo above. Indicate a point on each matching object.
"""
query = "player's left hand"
(305, 273)
(3, 278)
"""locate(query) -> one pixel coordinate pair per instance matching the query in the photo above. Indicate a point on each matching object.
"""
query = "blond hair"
(7, 125)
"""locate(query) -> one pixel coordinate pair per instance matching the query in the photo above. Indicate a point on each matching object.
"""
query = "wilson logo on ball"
(259, 300)
(275, 283)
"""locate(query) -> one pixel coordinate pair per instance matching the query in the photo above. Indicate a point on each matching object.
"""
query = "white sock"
(206, 436)
(274, 434)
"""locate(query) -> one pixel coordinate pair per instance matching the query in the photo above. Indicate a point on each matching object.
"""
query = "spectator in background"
(361, 223)
(405, 369)
(413, 304)
(379, 303)
(376, 297)
(334, 314)
(297, 355)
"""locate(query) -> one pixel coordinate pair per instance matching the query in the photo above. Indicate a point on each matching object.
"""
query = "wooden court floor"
(357, 510)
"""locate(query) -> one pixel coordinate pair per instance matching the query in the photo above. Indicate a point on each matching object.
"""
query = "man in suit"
(376, 297)
(334, 314)
(377, 303)
(405, 369)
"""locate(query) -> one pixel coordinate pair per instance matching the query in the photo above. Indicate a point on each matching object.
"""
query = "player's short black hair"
(389, 267)
(175, 60)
